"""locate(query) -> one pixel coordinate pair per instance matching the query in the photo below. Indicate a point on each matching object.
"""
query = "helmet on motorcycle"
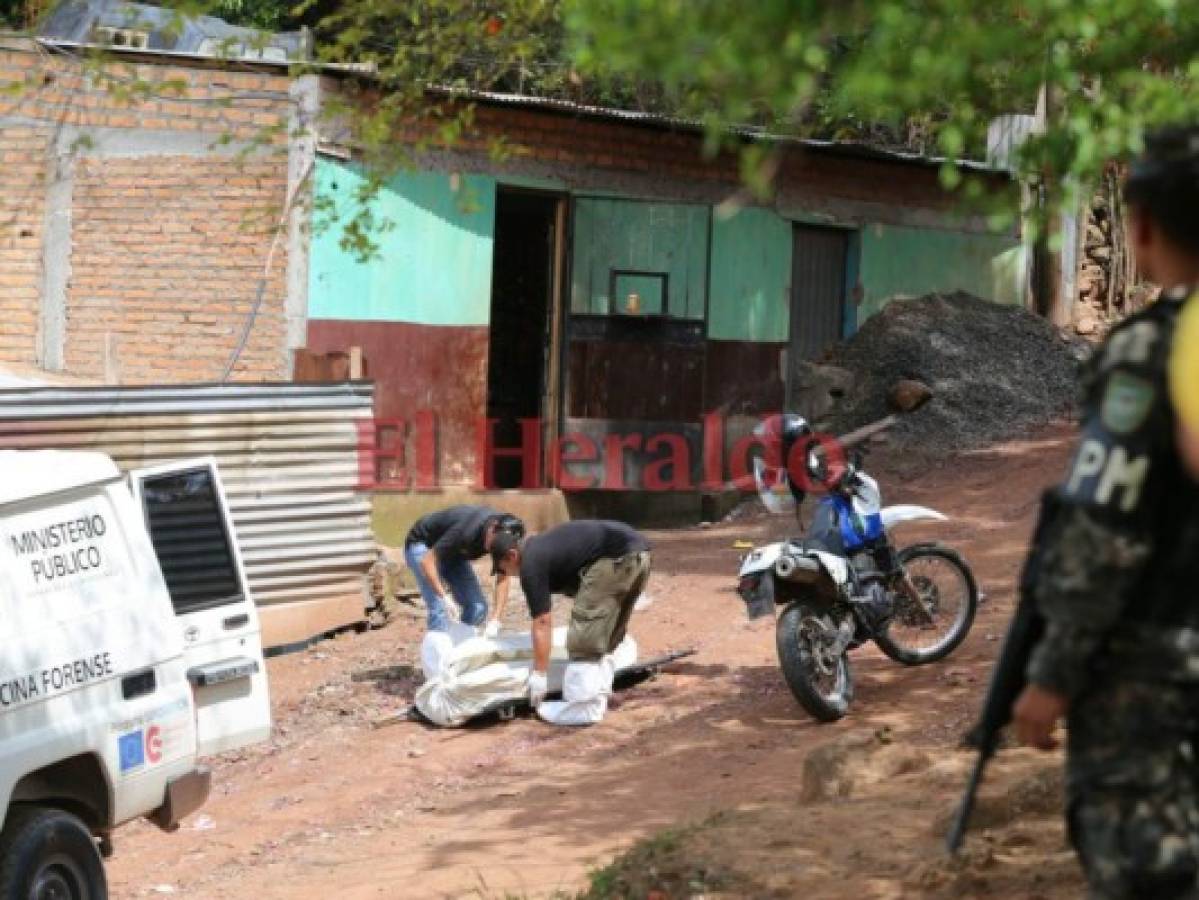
(788, 430)
(794, 427)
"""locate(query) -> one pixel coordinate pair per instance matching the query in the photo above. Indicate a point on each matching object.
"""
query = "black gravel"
(996, 371)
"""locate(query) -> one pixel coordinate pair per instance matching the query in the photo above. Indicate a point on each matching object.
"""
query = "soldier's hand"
(1035, 714)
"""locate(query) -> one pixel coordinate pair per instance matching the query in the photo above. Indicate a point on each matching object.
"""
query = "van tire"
(50, 847)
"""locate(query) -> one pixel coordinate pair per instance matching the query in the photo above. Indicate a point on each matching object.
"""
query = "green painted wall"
(750, 291)
(647, 237)
(434, 234)
(907, 262)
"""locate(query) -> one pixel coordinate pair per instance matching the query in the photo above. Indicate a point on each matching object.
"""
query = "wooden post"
(1053, 303)
(357, 369)
(1115, 237)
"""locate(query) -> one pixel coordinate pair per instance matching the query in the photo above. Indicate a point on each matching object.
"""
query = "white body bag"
(466, 675)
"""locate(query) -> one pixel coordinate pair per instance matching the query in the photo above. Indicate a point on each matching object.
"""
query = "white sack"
(460, 631)
(585, 690)
(437, 646)
(480, 672)
(435, 650)
(625, 654)
(566, 712)
(587, 680)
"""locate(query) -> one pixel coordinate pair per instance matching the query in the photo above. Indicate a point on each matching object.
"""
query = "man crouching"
(603, 565)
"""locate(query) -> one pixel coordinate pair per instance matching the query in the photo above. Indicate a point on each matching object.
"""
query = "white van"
(129, 648)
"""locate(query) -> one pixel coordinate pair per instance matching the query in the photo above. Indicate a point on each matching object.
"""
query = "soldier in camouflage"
(1119, 583)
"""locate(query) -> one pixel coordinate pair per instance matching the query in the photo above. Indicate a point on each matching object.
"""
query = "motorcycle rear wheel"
(823, 687)
(949, 592)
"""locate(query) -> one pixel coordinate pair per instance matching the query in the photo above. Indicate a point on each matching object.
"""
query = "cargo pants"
(1133, 788)
(608, 588)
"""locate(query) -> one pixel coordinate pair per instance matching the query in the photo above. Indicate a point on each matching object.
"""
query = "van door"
(192, 533)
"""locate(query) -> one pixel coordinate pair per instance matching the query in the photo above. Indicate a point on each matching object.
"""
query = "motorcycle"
(845, 584)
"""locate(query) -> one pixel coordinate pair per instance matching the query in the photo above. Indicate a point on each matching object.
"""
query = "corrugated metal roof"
(841, 148)
(170, 30)
(571, 107)
(288, 455)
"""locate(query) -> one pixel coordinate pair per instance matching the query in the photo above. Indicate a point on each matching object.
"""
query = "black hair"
(1164, 184)
(506, 522)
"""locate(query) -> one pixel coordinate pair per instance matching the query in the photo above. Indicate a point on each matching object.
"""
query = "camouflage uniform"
(1117, 587)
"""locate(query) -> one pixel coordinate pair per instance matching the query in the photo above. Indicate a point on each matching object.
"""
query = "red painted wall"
(418, 368)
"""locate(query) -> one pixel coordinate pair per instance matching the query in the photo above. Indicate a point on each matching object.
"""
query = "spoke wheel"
(821, 681)
(931, 627)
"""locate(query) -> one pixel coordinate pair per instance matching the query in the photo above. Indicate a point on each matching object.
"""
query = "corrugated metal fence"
(289, 458)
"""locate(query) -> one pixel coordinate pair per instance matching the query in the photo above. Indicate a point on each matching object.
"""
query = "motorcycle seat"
(810, 545)
(806, 563)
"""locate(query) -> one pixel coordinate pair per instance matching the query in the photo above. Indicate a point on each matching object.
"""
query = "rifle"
(1007, 679)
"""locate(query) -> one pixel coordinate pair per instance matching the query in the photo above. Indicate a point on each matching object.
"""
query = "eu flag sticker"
(132, 750)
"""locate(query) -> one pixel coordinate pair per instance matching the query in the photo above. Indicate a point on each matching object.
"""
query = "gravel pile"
(995, 371)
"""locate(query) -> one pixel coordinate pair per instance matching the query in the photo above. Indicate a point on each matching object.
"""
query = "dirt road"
(332, 806)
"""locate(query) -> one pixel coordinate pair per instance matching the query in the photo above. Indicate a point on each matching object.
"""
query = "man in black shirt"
(438, 550)
(603, 565)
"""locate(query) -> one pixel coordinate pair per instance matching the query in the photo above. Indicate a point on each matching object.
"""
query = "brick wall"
(59, 88)
(565, 138)
(173, 179)
(166, 261)
(555, 137)
(22, 208)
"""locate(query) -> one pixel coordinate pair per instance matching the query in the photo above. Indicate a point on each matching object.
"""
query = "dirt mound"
(864, 808)
(661, 868)
(995, 371)
(841, 768)
(1038, 794)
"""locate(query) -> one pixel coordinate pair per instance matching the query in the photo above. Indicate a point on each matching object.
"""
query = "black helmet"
(794, 427)
(788, 428)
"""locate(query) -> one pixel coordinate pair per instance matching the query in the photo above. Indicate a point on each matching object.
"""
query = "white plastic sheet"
(586, 687)
(437, 647)
(478, 672)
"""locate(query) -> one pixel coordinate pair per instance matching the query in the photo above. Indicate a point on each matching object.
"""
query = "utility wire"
(266, 273)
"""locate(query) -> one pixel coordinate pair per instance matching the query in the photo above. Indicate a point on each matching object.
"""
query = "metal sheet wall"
(640, 239)
(819, 262)
(750, 282)
(433, 259)
(288, 455)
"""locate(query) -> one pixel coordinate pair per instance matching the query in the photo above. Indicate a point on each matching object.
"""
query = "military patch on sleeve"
(1126, 403)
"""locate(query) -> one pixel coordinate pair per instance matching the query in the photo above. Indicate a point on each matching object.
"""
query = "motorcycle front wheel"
(928, 631)
(822, 685)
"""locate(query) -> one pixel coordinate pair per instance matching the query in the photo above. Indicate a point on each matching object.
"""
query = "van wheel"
(48, 854)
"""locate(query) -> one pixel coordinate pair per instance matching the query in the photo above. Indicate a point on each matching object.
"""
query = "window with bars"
(187, 527)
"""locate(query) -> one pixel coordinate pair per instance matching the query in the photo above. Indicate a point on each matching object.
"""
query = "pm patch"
(1126, 403)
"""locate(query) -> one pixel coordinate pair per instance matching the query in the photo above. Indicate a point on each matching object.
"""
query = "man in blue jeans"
(439, 550)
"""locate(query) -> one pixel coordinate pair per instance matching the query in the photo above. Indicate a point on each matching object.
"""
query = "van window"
(187, 528)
